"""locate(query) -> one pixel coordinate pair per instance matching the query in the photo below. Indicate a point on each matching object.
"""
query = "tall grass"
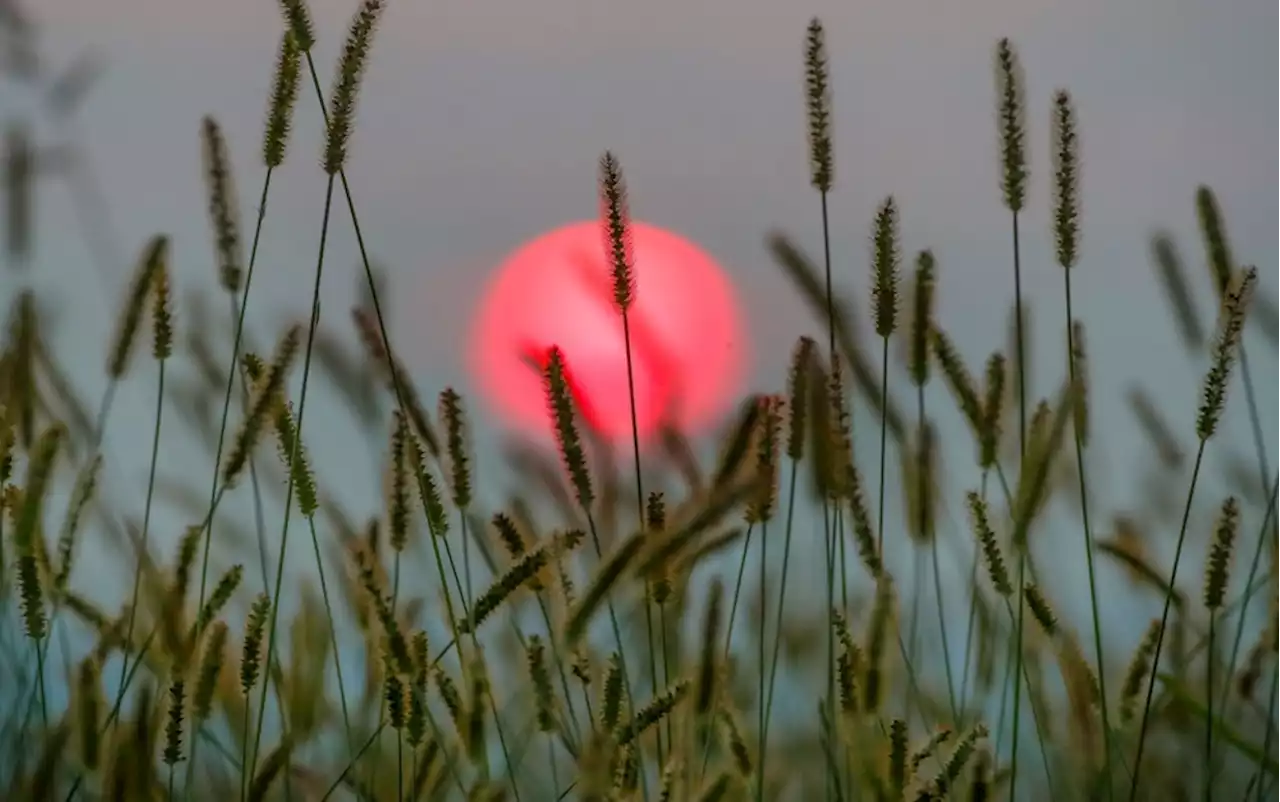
(467, 690)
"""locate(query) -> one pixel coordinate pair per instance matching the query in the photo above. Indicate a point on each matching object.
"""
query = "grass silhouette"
(458, 679)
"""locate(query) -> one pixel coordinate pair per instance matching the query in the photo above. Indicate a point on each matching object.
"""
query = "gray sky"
(481, 121)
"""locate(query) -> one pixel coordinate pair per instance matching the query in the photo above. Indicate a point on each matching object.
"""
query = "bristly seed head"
(921, 318)
(616, 219)
(223, 211)
(1231, 317)
(1218, 248)
(818, 102)
(162, 311)
(154, 257)
(991, 553)
(765, 498)
(1040, 609)
(798, 380)
(297, 17)
(556, 385)
(351, 65)
(1013, 127)
(251, 652)
(884, 259)
(992, 411)
(284, 96)
(398, 513)
(1218, 571)
(457, 446)
(1066, 180)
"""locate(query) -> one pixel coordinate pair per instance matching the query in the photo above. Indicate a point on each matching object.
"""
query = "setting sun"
(688, 346)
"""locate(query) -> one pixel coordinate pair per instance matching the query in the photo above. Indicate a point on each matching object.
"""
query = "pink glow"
(687, 343)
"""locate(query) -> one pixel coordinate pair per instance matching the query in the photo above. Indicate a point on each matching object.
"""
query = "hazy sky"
(481, 122)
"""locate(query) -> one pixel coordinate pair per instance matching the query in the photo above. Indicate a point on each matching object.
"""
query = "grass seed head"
(1218, 569)
(991, 553)
(293, 453)
(992, 411)
(457, 446)
(175, 718)
(818, 104)
(346, 87)
(921, 318)
(1173, 278)
(616, 222)
(88, 713)
(209, 672)
(161, 313)
(224, 212)
(297, 16)
(958, 378)
(284, 96)
(251, 653)
(1011, 105)
(1216, 244)
(154, 257)
(886, 255)
(398, 512)
(1040, 609)
(1231, 317)
(798, 396)
(556, 384)
(1066, 180)
(543, 693)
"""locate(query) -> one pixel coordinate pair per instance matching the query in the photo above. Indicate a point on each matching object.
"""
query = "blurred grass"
(373, 676)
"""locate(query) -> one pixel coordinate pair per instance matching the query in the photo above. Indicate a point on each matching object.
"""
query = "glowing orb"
(687, 343)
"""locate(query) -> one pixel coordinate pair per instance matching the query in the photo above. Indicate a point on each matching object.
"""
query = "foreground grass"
(510, 688)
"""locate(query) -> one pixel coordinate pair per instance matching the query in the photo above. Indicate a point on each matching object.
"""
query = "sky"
(480, 124)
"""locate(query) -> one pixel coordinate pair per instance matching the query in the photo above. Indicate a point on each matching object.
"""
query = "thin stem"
(214, 491)
(142, 548)
(913, 622)
(760, 648)
(922, 481)
(1266, 738)
(1164, 623)
(1025, 677)
(1264, 471)
(552, 638)
(551, 758)
(617, 636)
(829, 546)
(1022, 452)
(884, 437)
(973, 610)
(640, 517)
(475, 643)
(1017, 672)
(251, 767)
(1088, 539)
(666, 663)
(733, 614)
(1208, 715)
(245, 772)
(1018, 335)
(826, 507)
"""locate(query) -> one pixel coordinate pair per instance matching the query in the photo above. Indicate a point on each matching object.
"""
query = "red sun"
(687, 342)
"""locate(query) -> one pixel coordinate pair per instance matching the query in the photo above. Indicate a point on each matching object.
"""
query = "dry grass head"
(818, 105)
(1011, 105)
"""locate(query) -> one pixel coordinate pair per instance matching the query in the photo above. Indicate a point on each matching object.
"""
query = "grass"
(470, 689)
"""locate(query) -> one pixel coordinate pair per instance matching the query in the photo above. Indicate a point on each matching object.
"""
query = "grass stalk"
(1078, 439)
(1164, 623)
